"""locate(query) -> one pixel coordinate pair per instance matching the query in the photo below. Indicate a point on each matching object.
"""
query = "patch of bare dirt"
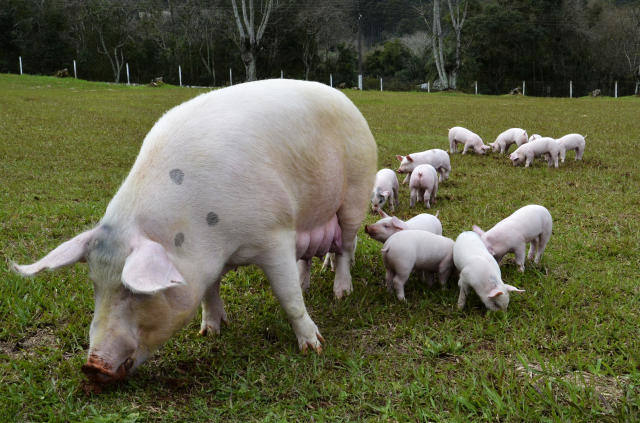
(29, 345)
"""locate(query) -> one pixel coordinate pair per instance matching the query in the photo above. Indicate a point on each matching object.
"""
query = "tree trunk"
(248, 38)
(438, 45)
(249, 61)
(457, 22)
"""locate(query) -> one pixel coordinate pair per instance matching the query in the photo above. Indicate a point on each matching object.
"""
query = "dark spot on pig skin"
(179, 239)
(212, 218)
(177, 176)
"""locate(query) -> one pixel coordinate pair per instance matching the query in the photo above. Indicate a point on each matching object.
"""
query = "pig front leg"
(520, 251)
(406, 178)
(213, 314)
(304, 272)
(280, 267)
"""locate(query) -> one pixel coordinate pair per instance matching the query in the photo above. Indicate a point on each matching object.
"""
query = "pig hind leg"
(542, 244)
(279, 264)
(304, 273)
(533, 247)
(398, 284)
(579, 152)
(396, 201)
(213, 314)
(427, 197)
(350, 216)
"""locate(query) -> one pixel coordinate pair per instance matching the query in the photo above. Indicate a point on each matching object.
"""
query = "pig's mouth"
(100, 372)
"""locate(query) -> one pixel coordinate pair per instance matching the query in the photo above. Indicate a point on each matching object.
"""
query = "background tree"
(248, 36)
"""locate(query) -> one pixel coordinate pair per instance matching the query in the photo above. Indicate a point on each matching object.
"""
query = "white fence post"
(331, 80)
(360, 82)
(476, 87)
(20, 60)
(230, 77)
(75, 72)
(570, 89)
(180, 74)
(637, 85)
(523, 87)
(381, 84)
(128, 81)
(281, 74)
(616, 90)
(428, 86)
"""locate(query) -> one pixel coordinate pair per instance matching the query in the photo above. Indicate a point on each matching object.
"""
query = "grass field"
(568, 349)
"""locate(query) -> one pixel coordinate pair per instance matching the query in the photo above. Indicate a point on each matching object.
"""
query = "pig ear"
(398, 224)
(485, 148)
(477, 230)
(495, 292)
(385, 193)
(399, 157)
(66, 253)
(148, 269)
(409, 157)
(382, 213)
(511, 288)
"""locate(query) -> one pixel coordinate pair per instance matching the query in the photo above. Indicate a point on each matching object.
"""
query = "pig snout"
(101, 372)
(367, 229)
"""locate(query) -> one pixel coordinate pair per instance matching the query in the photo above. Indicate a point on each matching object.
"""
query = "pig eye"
(386, 225)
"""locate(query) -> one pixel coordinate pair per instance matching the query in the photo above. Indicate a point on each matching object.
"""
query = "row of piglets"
(418, 244)
(472, 141)
(553, 150)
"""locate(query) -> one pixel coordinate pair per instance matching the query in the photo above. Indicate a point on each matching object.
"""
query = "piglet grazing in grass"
(571, 142)
(414, 249)
(515, 136)
(479, 271)
(385, 189)
(460, 135)
(423, 185)
(545, 146)
(529, 224)
(389, 225)
(435, 157)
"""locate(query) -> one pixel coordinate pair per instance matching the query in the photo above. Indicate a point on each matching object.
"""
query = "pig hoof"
(521, 269)
(315, 345)
(341, 291)
(212, 327)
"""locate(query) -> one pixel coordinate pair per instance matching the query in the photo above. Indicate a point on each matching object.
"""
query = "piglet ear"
(399, 157)
(511, 288)
(66, 253)
(398, 224)
(409, 157)
(382, 213)
(477, 230)
(148, 269)
(495, 292)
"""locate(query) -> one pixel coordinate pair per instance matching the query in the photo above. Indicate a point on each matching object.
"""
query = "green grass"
(566, 350)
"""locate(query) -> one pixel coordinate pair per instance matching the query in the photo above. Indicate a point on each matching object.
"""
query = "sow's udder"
(319, 241)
